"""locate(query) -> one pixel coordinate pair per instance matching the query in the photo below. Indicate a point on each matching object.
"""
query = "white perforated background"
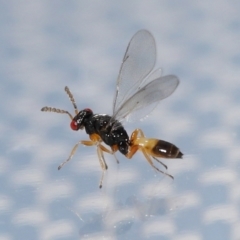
(46, 45)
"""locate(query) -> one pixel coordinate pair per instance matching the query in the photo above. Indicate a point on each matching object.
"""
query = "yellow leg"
(140, 142)
(102, 163)
(115, 149)
(160, 162)
(135, 134)
(86, 143)
(133, 149)
(151, 163)
(100, 150)
(103, 148)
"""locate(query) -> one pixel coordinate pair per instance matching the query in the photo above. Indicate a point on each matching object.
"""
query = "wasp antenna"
(56, 110)
(71, 99)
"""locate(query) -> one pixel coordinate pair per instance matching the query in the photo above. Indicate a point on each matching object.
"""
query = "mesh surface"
(46, 45)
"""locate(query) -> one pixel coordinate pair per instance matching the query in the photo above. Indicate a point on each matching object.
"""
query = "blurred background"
(46, 45)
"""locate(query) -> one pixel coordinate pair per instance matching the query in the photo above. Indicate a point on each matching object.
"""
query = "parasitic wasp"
(138, 91)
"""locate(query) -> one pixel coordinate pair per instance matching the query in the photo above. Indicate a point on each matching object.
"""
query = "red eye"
(73, 125)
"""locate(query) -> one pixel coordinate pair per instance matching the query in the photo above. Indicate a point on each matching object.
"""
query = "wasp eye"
(73, 125)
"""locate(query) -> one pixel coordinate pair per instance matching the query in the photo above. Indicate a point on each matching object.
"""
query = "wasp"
(138, 91)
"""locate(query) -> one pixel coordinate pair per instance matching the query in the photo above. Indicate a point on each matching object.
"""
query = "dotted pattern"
(47, 45)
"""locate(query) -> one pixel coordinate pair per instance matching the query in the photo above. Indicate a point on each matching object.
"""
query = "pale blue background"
(46, 45)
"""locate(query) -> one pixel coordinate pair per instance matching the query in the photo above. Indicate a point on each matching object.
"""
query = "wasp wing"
(144, 112)
(148, 95)
(138, 62)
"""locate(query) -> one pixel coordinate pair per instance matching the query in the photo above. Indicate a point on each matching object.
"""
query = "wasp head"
(79, 120)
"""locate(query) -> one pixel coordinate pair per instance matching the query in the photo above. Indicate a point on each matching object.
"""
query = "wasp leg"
(103, 148)
(138, 141)
(151, 163)
(91, 143)
(135, 134)
(115, 149)
(100, 150)
(133, 149)
(86, 143)
(102, 163)
(70, 156)
(154, 147)
(160, 162)
(109, 151)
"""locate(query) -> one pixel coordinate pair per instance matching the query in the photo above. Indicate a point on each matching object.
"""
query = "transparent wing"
(138, 89)
(138, 62)
(144, 112)
(147, 96)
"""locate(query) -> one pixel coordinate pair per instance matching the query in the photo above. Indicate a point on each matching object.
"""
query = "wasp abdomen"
(166, 150)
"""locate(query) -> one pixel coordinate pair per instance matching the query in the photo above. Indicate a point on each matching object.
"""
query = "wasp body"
(99, 128)
(138, 88)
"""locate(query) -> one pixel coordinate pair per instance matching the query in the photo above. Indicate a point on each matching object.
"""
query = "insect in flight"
(138, 90)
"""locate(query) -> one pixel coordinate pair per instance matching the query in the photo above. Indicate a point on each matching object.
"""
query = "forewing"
(147, 97)
(138, 62)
